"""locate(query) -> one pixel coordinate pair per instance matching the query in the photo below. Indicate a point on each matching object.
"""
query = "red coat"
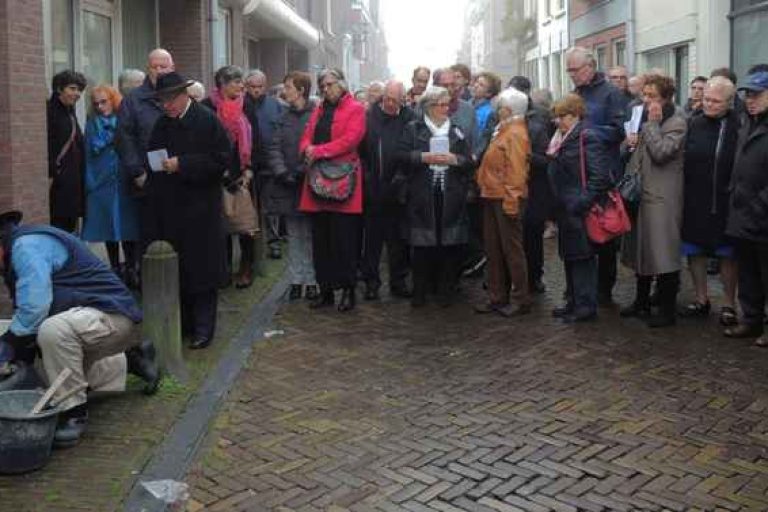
(347, 131)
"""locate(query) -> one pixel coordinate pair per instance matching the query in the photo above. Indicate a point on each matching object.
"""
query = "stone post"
(162, 313)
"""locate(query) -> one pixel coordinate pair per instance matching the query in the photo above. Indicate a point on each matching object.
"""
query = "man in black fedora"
(188, 153)
(76, 312)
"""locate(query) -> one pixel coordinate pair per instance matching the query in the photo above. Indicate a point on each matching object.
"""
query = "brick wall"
(607, 38)
(579, 7)
(23, 145)
(184, 31)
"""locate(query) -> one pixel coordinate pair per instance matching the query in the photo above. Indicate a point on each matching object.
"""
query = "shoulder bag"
(604, 223)
(332, 181)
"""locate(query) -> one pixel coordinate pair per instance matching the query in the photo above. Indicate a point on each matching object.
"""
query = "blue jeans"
(581, 285)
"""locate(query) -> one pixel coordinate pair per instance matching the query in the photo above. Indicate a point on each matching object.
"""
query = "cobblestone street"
(393, 409)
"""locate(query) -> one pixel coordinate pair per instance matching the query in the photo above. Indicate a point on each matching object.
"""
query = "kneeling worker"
(76, 311)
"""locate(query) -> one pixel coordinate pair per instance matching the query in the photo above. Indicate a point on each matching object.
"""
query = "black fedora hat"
(171, 84)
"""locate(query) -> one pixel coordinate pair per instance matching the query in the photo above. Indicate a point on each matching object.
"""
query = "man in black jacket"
(605, 118)
(748, 215)
(538, 209)
(383, 208)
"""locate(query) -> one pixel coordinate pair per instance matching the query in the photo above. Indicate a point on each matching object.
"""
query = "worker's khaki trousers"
(91, 344)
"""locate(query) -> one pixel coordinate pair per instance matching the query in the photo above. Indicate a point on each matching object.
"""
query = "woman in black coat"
(573, 198)
(66, 151)
(437, 190)
(710, 148)
(183, 203)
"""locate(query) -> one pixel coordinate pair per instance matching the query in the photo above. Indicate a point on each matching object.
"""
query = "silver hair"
(395, 83)
(196, 91)
(582, 52)
(130, 76)
(512, 99)
(725, 85)
(432, 95)
(335, 73)
(377, 84)
(257, 73)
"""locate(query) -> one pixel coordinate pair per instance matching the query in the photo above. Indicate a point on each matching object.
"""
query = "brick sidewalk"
(442, 410)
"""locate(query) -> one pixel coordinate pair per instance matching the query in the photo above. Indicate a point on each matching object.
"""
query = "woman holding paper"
(436, 158)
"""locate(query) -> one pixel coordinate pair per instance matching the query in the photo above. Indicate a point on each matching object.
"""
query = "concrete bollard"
(162, 312)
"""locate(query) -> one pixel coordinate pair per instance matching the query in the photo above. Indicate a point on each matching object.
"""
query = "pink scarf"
(231, 115)
(557, 140)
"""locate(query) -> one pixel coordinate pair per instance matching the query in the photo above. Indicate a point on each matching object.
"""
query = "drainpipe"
(213, 16)
(630, 31)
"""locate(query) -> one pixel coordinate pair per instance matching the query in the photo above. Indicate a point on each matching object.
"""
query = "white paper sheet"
(637, 116)
(439, 144)
(156, 159)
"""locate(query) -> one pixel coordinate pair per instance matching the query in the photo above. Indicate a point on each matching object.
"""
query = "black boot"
(371, 291)
(347, 302)
(668, 285)
(641, 307)
(295, 292)
(323, 300)
(71, 427)
(141, 362)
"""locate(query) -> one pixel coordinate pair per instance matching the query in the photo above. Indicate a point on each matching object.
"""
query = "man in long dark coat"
(184, 201)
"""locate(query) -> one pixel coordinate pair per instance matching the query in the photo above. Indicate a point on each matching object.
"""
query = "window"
(221, 39)
(601, 54)
(557, 74)
(749, 44)
(547, 8)
(682, 75)
(97, 48)
(620, 53)
(545, 74)
(61, 51)
(139, 31)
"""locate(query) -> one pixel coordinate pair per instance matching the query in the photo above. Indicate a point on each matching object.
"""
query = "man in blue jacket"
(605, 118)
(71, 307)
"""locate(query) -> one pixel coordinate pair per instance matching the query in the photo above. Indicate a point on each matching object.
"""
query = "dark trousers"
(384, 227)
(534, 224)
(473, 251)
(335, 249)
(272, 228)
(436, 267)
(606, 267)
(198, 313)
(68, 224)
(580, 282)
(503, 237)
(247, 251)
(752, 258)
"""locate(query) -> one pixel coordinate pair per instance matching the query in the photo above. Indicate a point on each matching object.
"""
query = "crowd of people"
(457, 178)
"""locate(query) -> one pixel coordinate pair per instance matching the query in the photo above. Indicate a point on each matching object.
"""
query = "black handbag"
(630, 187)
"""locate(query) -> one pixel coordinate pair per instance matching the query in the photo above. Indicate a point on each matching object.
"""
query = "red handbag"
(604, 223)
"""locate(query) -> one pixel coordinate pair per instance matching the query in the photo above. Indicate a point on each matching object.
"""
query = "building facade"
(100, 38)
(545, 61)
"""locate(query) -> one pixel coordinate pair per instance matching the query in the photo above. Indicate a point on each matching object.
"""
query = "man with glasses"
(605, 118)
(620, 79)
(384, 209)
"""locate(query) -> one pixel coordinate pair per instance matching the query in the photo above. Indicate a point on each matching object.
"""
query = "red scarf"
(230, 113)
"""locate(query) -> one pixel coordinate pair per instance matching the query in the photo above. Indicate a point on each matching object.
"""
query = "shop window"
(222, 39)
(601, 55)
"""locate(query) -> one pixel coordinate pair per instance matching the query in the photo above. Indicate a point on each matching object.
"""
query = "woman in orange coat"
(503, 181)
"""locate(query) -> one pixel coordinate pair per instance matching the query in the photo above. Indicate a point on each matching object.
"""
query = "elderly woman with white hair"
(503, 182)
(435, 157)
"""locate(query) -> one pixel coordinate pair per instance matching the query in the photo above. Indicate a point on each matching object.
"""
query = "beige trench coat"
(653, 245)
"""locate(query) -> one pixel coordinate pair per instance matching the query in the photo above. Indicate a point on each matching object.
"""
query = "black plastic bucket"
(25, 440)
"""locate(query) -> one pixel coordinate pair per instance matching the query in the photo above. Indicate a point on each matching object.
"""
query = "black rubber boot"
(668, 285)
(641, 307)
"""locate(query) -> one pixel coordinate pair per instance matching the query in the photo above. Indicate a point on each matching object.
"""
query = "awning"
(284, 20)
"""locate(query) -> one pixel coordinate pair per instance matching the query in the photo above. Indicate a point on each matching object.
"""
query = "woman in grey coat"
(653, 247)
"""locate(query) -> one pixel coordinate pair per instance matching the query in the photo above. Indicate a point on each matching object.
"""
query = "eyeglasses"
(327, 85)
(98, 103)
(575, 70)
(442, 104)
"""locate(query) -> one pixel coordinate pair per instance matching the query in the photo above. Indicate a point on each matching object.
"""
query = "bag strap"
(582, 161)
(67, 145)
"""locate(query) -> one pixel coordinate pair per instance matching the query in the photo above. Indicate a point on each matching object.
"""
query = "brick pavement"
(442, 410)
